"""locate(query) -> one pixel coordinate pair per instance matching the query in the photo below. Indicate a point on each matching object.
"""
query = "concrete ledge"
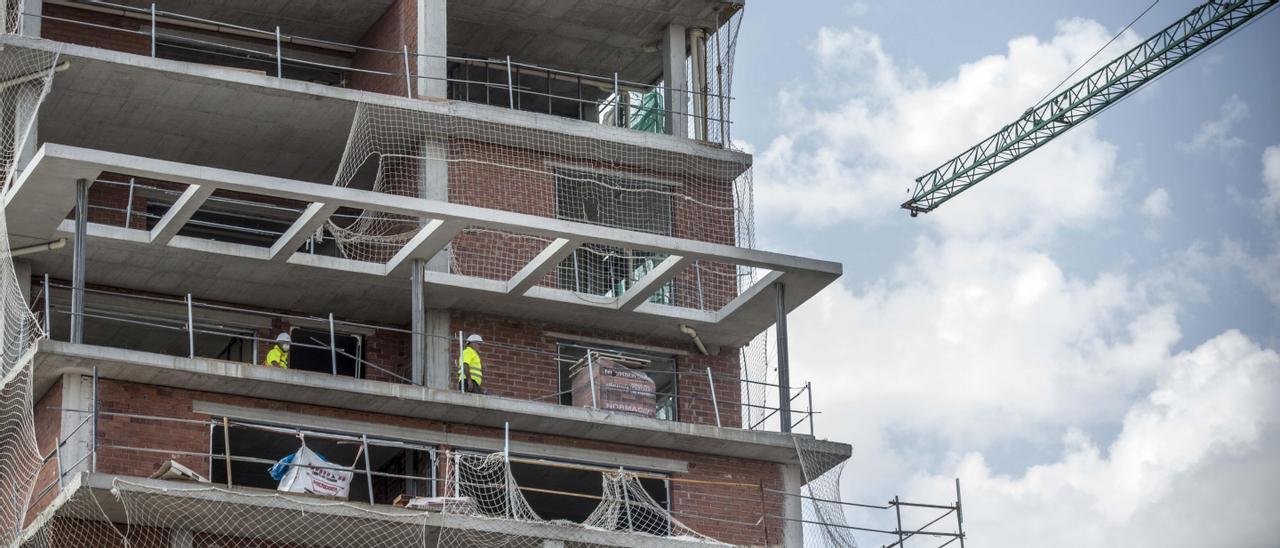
(295, 520)
(54, 358)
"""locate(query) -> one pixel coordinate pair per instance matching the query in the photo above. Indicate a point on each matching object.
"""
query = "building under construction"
(186, 181)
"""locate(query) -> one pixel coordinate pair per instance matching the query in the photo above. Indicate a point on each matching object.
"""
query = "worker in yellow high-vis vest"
(278, 356)
(470, 370)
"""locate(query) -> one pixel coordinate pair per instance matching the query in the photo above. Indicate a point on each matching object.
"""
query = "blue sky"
(1087, 337)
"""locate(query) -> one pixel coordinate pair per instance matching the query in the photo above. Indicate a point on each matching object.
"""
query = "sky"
(1090, 339)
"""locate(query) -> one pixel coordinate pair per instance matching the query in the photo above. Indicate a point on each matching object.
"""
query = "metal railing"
(184, 325)
(617, 101)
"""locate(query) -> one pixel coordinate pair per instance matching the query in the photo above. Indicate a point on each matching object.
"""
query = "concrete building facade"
(379, 180)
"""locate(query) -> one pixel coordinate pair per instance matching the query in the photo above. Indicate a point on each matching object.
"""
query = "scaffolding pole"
(77, 261)
(784, 371)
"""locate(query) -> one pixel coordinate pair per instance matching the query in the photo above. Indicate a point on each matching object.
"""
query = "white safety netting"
(484, 508)
(627, 507)
(11, 17)
(586, 178)
(24, 82)
(825, 521)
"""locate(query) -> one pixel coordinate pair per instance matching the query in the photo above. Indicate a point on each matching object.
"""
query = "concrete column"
(438, 367)
(673, 75)
(418, 340)
(792, 528)
(432, 40)
(30, 23)
(77, 395)
(441, 367)
(698, 84)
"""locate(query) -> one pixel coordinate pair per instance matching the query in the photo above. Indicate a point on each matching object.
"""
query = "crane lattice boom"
(1205, 25)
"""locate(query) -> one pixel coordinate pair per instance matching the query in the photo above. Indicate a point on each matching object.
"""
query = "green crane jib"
(1205, 25)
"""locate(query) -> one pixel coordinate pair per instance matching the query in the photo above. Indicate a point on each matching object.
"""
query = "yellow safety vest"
(471, 361)
(277, 357)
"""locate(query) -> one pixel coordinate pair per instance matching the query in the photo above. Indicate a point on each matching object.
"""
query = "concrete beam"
(429, 240)
(668, 269)
(181, 211)
(549, 258)
(311, 219)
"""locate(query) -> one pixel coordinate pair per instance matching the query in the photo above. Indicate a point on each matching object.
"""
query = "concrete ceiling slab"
(335, 20)
(191, 119)
(590, 36)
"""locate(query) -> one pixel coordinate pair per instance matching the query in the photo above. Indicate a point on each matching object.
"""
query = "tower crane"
(1206, 24)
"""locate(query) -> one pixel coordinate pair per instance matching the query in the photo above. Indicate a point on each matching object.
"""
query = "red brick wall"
(391, 351)
(48, 423)
(95, 36)
(520, 181)
(520, 362)
(702, 506)
(398, 27)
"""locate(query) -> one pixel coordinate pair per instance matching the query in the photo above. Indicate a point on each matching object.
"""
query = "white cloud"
(1156, 205)
(1271, 179)
(1216, 134)
(856, 159)
(979, 354)
(1192, 466)
(990, 333)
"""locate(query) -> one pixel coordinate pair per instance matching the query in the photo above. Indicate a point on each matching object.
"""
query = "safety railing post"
(368, 471)
(128, 206)
(57, 456)
(47, 309)
(617, 102)
(591, 377)
(511, 89)
(279, 57)
(408, 79)
(715, 406)
(898, 510)
(93, 442)
(226, 448)
(808, 387)
(333, 346)
(959, 514)
(462, 383)
(254, 341)
(153, 29)
(191, 329)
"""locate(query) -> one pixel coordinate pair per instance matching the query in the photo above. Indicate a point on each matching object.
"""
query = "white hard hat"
(283, 338)
(474, 338)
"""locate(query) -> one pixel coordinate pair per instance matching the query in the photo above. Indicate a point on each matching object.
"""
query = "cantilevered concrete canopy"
(232, 119)
(160, 260)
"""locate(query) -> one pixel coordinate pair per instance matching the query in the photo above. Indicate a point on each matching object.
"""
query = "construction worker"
(470, 371)
(279, 354)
